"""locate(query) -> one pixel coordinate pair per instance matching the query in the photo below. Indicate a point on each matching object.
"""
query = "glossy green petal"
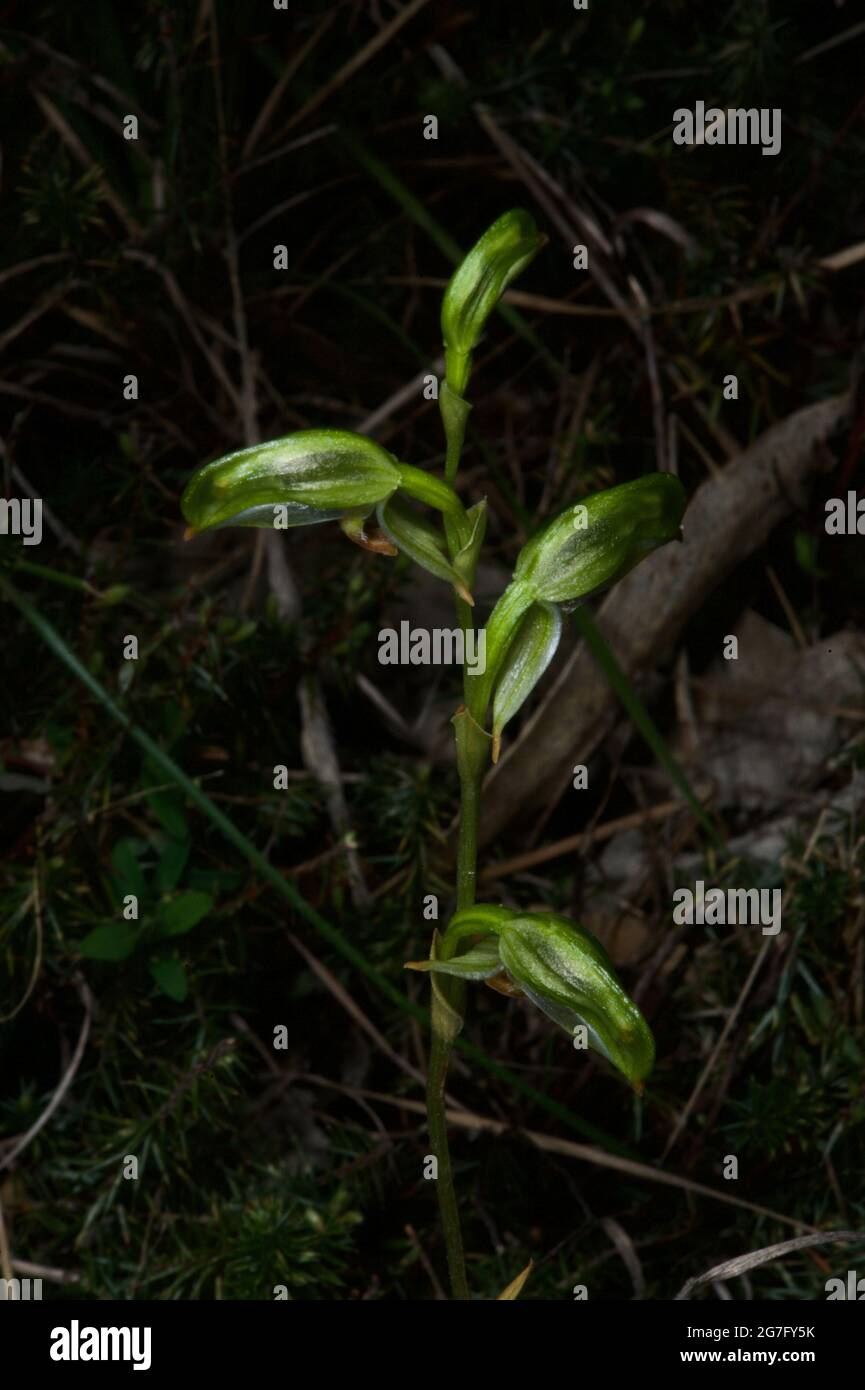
(527, 658)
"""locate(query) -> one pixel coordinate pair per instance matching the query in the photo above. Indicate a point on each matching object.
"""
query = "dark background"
(154, 257)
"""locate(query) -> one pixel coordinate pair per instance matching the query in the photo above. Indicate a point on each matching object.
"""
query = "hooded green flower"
(561, 968)
(585, 549)
(478, 283)
(312, 476)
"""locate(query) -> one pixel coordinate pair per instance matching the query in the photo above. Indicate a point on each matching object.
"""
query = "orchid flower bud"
(594, 543)
(565, 971)
(561, 968)
(312, 476)
(479, 282)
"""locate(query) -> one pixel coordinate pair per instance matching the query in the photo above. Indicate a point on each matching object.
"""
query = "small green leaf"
(184, 913)
(167, 807)
(421, 541)
(170, 976)
(526, 660)
(128, 874)
(113, 941)
(171, 863)
(466, 559)
(455, 413)
(446, 1019)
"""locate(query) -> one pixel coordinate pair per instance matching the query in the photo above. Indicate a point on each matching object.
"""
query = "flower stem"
(448, 994)
(473, 748)
(448, 1003)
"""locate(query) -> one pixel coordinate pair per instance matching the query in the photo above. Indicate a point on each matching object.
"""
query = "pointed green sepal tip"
(597, 541)
(304, 478)
(479, 282)
(478, 963)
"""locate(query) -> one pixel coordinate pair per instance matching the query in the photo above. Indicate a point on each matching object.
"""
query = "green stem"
(427, 488)
(467, 854)
(448, 1003)
(473, 748)
(448, 994)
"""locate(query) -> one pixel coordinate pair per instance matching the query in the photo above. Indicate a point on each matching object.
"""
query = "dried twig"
(741, 1263)
(568, 1148)
(585, 838)
(357, 61)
